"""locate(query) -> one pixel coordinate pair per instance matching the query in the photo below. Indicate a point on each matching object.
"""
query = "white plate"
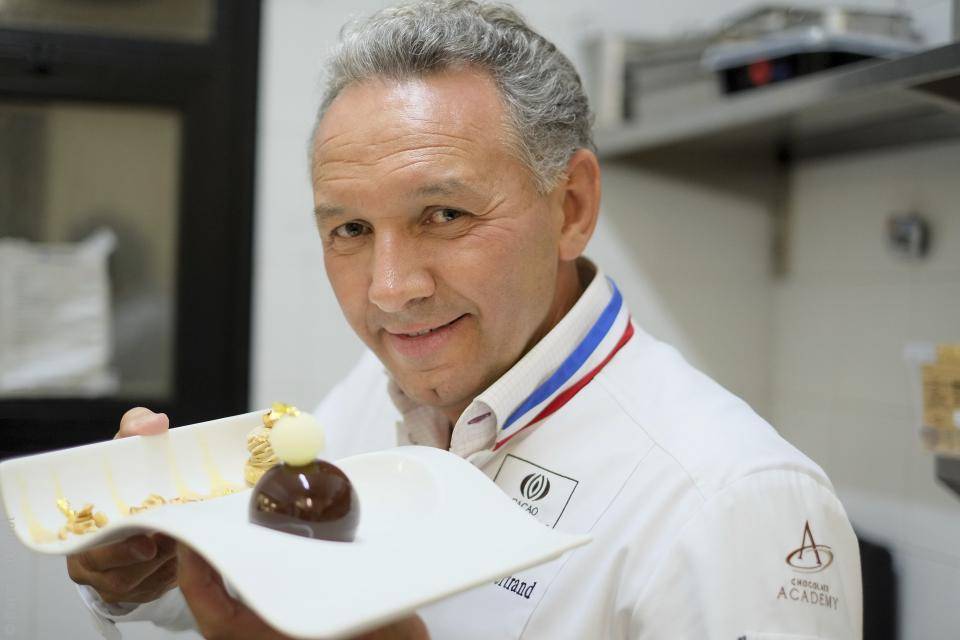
(431, 524)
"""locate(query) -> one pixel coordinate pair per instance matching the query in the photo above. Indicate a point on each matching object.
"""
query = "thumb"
(141, 421)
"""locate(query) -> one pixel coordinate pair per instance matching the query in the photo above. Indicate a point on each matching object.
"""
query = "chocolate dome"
(315, 500)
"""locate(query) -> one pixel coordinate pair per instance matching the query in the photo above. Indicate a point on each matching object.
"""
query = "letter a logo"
(810, 557)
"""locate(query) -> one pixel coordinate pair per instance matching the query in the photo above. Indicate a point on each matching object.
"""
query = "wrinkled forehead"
(459, 112)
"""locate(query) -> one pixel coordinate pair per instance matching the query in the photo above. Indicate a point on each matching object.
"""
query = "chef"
(455, 193)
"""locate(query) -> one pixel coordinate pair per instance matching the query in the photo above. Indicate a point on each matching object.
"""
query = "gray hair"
(546, 107)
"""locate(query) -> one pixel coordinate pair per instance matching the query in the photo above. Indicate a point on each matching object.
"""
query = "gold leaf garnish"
(153, 500)
(79, 522)
(277, 411)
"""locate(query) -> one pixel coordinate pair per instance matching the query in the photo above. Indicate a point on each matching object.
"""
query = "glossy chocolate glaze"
(316, 500)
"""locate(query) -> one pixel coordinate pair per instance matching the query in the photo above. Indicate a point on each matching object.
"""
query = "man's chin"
(428, 392)
(435, 391)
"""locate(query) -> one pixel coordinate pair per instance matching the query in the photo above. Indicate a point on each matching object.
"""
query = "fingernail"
(148, 416)
(144, 549)
(150, 424)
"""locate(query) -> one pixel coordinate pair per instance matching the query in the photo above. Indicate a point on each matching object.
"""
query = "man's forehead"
(462, 103)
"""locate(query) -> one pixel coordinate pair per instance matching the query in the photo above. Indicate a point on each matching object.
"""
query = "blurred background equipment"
(136, 116)
(174, 20)
(633, 78)
(68, 168)
(629, 79)
(774, 44)
(55, 329)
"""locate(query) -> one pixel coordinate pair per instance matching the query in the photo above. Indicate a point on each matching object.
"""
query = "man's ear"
(580, 200)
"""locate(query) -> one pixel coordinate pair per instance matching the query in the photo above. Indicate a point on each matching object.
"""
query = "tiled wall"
(693, 263)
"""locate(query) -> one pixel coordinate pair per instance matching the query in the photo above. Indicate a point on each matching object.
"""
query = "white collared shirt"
(705, 523)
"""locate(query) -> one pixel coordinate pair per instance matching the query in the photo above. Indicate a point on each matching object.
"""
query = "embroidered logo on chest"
(542, 493)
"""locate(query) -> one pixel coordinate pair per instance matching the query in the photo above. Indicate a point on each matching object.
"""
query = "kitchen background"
(816, 335)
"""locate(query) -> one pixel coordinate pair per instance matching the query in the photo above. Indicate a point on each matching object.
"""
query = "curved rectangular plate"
(431, 524)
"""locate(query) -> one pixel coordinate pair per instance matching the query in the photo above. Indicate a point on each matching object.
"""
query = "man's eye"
(350, 230)
(441, 216)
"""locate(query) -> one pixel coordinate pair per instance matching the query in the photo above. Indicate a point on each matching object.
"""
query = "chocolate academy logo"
(810, 557)
(535, 486)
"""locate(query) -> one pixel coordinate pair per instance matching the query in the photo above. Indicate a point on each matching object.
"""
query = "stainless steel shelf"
(863, 106)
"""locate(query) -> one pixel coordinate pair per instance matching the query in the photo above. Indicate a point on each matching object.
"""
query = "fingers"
(217, 614)
(131, 551)
(119, 573)
(156, 584)
(141, 421)
(149, 589)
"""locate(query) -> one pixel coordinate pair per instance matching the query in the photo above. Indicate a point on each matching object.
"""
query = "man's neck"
(570, 286)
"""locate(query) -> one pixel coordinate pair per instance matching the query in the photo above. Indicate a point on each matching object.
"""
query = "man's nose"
(400, 275)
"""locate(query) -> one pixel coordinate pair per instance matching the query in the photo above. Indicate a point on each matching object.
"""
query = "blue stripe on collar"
(574, 361)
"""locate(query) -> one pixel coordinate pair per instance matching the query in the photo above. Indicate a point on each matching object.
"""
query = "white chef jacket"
(705, 523)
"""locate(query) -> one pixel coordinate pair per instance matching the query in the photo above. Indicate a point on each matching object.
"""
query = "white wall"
(691, 260)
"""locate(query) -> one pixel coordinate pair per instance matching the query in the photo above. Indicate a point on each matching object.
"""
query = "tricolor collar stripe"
(574, 361)
(568, 393)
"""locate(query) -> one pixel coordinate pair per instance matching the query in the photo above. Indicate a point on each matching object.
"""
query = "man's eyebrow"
(443, 188)
(446, 187)
(324, 210)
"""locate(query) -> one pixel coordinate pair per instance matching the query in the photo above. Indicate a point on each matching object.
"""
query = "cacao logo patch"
(542, 493)
(535, 486)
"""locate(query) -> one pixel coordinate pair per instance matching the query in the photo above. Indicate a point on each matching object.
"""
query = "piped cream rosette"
(300, 433)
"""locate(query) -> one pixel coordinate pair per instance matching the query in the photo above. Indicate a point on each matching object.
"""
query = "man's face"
(441, 251)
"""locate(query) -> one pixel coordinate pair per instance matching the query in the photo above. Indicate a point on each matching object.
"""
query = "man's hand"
(140, 568)
(220, 616)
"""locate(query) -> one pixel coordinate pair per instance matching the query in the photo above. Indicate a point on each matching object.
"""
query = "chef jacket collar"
(563, 360)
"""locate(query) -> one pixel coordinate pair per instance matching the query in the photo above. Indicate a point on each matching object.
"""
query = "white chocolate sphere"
(297, 440)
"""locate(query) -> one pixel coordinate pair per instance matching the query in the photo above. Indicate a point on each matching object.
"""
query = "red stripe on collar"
(565, 396)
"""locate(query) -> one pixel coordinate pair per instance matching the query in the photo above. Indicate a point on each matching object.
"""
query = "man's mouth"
(418, 333)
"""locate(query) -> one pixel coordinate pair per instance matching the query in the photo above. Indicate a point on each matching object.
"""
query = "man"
(455, 192)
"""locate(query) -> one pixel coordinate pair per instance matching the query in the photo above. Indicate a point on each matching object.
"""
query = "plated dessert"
(421, 506)
(294, 492)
